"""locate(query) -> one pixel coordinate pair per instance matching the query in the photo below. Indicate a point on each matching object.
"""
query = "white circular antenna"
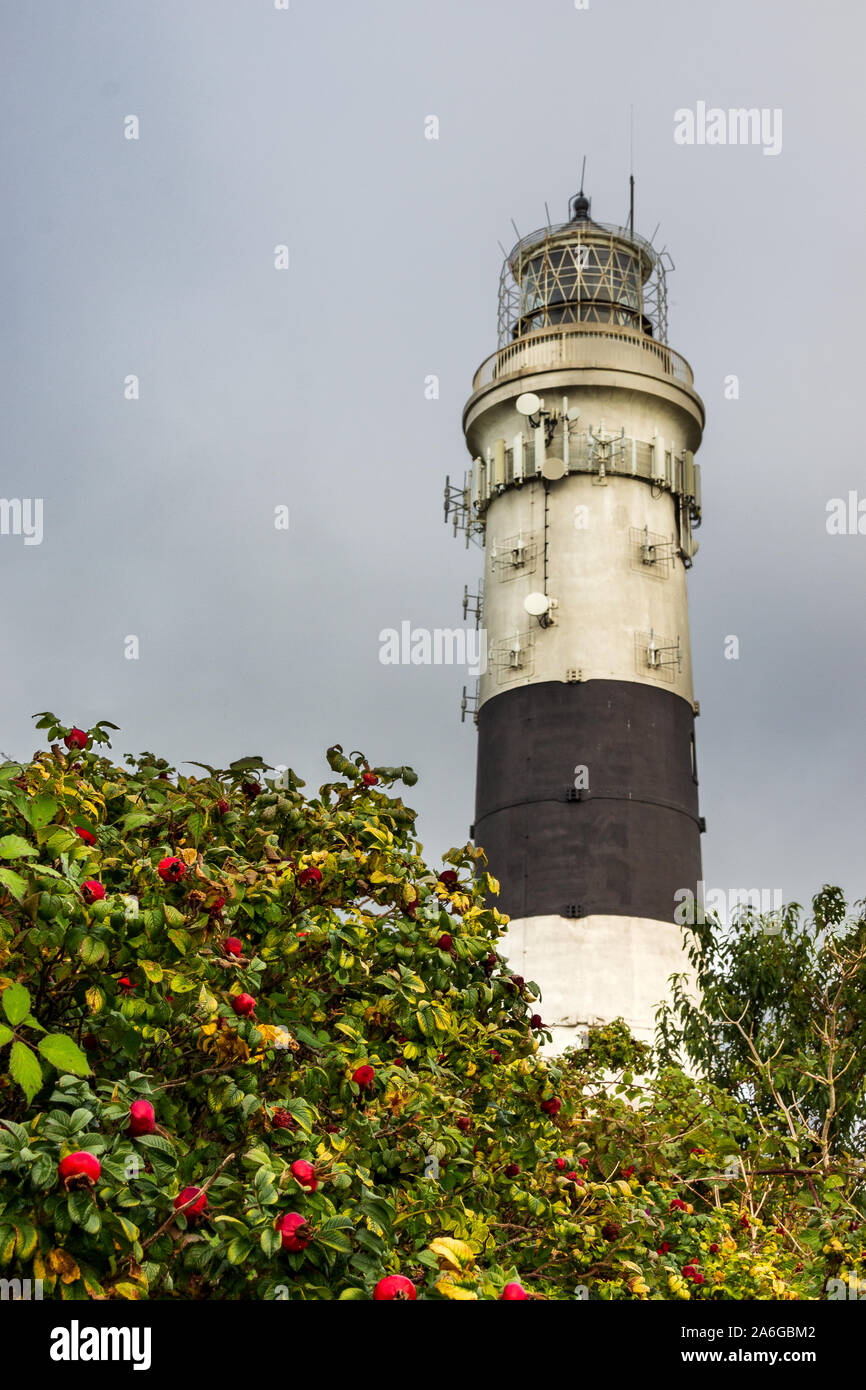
(528, 403)
(552, 468)
(536, 605)
(574, 413)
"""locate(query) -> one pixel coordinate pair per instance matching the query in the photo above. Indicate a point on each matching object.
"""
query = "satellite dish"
(528, 403)
(536, 605)
(552, 468)
(573, 413)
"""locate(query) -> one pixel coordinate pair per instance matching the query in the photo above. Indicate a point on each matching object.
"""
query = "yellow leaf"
(452, 1254)
(95, 999)
(395, 1098)
(59, 1262)
(189, 856)
(127, 1290)
(450, 1289)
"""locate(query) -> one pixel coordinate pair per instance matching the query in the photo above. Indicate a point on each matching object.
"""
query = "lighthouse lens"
(581, 281)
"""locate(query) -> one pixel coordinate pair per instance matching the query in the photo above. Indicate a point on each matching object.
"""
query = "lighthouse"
(584, 494)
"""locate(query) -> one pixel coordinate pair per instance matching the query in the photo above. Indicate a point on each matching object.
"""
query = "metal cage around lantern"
(579, 273)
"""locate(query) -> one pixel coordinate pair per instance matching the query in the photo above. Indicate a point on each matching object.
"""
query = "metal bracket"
(472, 603)
(469, 705)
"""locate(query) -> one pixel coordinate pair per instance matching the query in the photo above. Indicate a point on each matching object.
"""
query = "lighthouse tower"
(584, 493)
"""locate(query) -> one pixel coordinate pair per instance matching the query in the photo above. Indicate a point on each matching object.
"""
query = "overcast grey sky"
(305, 387)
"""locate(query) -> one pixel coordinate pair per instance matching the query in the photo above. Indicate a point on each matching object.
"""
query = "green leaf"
(136, 819)
(332, 1234)
(15, 847)
(238, 1250)
(16, 1003)
(80, 1119)
(91, 950)
(270, 1240)
(5, 1035)
(25, 1069)
(232, 1222)
(42, 810)
(64, 1054)
(61, 841)
(16, 885)
(301, 1111)
(264, 1186)
(80, 1206)
(27, 1237)
(156, 1141)
(129, 1230)
(43, 1174)
(179, 984)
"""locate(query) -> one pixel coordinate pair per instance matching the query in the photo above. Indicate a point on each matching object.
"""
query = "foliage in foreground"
(781, 1018)
(388, 1046)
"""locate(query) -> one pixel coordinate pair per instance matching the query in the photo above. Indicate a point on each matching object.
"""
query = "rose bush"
(251, 1045)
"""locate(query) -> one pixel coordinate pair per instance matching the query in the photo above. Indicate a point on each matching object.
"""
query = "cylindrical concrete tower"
(582, 428)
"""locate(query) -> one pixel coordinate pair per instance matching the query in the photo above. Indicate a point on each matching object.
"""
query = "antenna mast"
(631, 170)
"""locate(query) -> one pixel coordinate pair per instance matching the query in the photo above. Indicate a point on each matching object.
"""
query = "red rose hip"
(196, 1198)
(244, 1005)
(305, 1174)
(81, 1166)
(294, 1231)
(395, 1288)
(142, 1117)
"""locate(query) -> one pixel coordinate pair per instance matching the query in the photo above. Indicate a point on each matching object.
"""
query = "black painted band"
(624, 845)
